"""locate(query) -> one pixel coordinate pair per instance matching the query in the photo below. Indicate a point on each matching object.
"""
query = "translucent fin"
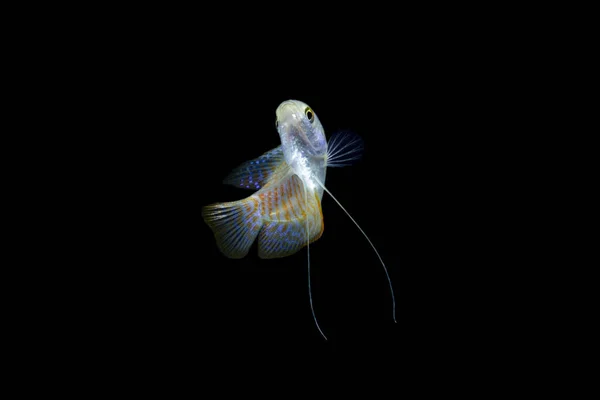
(372, 245)
(343, 149)
(285, 216)
(255, 173)
(235, 225)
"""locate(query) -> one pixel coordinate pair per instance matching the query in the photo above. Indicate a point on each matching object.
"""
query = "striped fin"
(235, 225)
(284, 213)
(255, 173)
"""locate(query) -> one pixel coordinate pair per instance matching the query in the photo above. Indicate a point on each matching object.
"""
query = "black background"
(170, 122)
(143, 112)
(419, 192)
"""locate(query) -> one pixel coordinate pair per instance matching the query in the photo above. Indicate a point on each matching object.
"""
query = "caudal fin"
(235, 225)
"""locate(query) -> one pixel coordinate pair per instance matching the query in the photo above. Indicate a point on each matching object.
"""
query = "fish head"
(300, 129)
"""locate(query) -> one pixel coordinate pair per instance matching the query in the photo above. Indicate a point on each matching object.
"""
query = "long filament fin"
(372, 245)
(308, 258)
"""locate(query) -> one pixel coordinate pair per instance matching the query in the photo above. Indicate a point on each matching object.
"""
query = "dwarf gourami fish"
(284, 212)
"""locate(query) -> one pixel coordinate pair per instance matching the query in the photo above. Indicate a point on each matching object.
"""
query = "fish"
(284, 213)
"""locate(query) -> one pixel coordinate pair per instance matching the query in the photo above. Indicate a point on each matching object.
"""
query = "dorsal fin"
(255, 173)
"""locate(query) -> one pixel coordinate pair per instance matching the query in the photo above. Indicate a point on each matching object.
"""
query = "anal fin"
(287, 216)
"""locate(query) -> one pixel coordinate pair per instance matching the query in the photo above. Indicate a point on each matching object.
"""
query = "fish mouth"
(286, 108)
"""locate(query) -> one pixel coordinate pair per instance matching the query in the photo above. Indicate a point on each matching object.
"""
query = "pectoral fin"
(343, 149)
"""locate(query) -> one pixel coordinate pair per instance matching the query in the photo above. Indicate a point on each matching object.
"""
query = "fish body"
(286, 207)
(284, 213)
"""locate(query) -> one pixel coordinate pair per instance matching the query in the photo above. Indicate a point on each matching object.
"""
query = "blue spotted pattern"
(254, 174)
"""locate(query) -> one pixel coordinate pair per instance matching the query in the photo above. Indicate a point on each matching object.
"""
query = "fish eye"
(276, 123)
(309, 114)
